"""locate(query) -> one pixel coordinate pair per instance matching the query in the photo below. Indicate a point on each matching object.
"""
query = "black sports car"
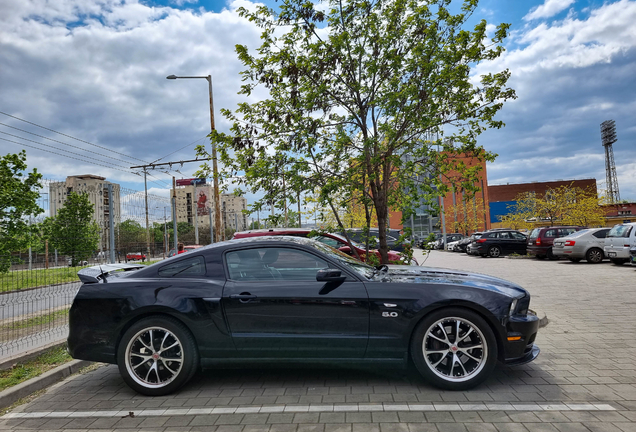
(290, 299)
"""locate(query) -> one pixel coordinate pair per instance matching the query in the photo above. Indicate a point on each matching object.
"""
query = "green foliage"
(73, 231)
(18, 196)
(32, 368)
(357, 91)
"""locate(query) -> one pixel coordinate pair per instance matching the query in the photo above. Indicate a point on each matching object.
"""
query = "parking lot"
(584, 379)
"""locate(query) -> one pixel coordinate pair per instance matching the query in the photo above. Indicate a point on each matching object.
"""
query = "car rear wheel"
(594, 256)
(551, 256)
(494, 251)
(157, 355)
(540, 257)
(575, 260)
(454, 349)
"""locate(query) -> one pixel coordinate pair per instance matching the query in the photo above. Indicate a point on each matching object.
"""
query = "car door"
(518, 242)
(275, 308)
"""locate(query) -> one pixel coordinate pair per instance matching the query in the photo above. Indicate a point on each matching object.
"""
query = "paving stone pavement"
(584, 379)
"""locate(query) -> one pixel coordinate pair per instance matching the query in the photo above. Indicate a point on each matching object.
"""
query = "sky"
(83, 86)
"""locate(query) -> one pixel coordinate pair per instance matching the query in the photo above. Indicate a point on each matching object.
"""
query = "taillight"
(570, 242)
(626, 245)
(481, 241)
(538, 242)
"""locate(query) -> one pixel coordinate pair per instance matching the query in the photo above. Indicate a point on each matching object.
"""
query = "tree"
(565, 205)
(358, 93)
(74, 232)
(467, 214)
(18, 199)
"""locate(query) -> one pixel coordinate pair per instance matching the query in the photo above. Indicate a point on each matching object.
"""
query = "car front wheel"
(454, 349)
(157, 355)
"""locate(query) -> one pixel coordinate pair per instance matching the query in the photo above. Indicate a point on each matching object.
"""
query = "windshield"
(535, 233)
(620, 231)
(344, 240)
(356, 266)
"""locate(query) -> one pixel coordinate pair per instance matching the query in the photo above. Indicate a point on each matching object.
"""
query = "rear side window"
(620, 231)
(567, 231)
(194, 266)
(551, 233)
(518, 236)
(601, 233)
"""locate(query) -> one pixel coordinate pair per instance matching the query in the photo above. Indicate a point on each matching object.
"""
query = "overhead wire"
(57, 148)
(61, 142)
(72, 137)
(49, 151)
(193, 142)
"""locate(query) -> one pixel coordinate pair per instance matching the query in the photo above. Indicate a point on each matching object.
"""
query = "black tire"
(540, 257)
(594, 255)
(575, 260)
(551, 256)
(494, 251)
(436, 367)
(168, 375)
(618, 262)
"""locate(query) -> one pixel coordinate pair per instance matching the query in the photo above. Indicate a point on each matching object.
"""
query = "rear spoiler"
(99, 272)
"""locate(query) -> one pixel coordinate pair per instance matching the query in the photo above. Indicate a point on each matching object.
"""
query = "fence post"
(46, 254)
(55, 257)
(30, 259)
(111, 224)
(174, 215)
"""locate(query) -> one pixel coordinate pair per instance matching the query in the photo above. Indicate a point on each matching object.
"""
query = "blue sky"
(95, 70)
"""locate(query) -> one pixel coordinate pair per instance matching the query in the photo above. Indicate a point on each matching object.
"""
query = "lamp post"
(215, 171)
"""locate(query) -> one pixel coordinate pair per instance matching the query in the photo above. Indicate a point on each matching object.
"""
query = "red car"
(135, 257)
(334, 240)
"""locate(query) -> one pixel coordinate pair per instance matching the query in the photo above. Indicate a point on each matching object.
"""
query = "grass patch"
(39, 320)
(32, 368)
(23, 279)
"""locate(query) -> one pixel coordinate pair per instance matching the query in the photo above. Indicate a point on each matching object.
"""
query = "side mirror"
(330, 275)
(345, 249)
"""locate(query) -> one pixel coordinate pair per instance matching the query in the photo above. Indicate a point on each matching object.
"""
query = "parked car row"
(575, 243)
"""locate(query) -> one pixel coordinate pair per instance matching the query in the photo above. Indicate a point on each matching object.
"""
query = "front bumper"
(522, 350)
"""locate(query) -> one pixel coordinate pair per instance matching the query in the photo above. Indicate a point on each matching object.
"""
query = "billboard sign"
(204, 200)
(190, 181)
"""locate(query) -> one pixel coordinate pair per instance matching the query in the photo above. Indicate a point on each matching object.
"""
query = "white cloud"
(548, 9)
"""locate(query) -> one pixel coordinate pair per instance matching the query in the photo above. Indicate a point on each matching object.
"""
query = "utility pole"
(147, 223)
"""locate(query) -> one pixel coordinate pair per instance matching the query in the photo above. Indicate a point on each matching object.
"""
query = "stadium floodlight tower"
(608, 137)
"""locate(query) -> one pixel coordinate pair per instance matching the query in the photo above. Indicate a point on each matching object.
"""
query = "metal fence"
(37, 291)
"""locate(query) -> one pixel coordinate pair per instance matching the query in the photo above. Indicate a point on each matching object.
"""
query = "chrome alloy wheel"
(455, 349)
(154, 357)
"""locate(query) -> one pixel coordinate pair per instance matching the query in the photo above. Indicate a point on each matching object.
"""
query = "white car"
(453, 245)
(618, 242)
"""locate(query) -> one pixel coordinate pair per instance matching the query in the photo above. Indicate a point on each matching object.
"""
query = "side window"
(566, 231)
(552, 233)
(504, 235)
(329, 241)
(273, 263)
(601, 233)
(194, 266)
(518, 236)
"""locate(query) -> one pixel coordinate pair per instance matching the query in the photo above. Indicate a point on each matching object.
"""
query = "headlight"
(513, 307)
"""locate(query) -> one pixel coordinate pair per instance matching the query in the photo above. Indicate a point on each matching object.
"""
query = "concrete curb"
(7, 363)
(11, 395)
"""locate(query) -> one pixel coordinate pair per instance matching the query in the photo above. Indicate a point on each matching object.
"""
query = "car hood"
(434, 275)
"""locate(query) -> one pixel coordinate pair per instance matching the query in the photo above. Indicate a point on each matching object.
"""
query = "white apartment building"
(97, 189)
(195, 205)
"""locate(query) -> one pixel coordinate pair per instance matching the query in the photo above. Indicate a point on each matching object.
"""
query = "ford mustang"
(290, 299)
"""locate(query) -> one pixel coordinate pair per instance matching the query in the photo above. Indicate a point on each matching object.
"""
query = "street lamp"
(215, 171)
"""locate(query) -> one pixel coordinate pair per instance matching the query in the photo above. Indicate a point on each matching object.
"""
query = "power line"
(68, 136)
(194, 142)
(56, 148)
(71, 157)
(60, 142)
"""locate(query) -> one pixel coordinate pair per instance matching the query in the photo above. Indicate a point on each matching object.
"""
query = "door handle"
(242, 296)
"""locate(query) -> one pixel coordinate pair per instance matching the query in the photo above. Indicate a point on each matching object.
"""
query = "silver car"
(586, 244)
